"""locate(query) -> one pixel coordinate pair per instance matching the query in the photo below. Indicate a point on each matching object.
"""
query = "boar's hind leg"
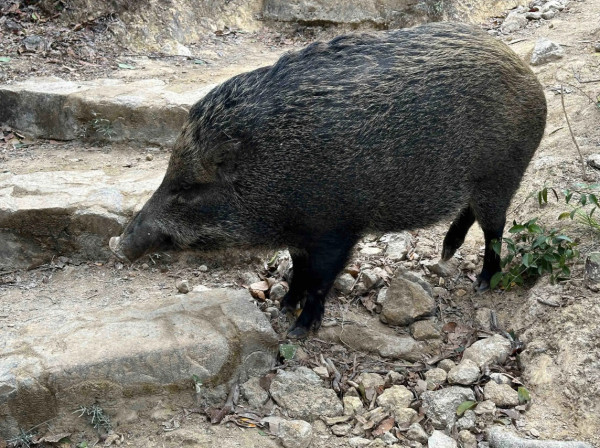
(491, 216)
(457, 232)
(298, 284)
(326, 258)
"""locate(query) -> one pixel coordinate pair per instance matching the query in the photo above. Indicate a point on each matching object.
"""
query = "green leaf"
(82, 445)
(261, 432)
(495, 279)
(568, 196)
(594, 199)
(127, 66)
(524, 395)
(526, 260)
(199, 62)
(288, 351)
(534, 228)
(465, 406)
(516, 228)
(583, 199)
(564, 215)
(573, 213)
(497, 246)
(4, 59)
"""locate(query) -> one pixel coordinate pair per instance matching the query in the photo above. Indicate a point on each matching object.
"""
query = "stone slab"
(148, 111)
(72, 213)
(48, 369)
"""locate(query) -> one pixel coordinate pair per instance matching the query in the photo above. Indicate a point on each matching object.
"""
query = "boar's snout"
(139, 238)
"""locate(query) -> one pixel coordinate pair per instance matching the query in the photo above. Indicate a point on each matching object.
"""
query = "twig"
(562, 100)
(585, 81)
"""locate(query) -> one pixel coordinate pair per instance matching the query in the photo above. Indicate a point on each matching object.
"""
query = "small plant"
(583, 203)
(98, 419)
(533, 252)
(103, 127)
(23, 440)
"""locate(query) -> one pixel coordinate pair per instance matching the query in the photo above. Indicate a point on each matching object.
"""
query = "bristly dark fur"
(386, 131)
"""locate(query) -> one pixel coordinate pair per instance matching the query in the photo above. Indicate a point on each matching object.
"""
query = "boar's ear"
(225, 157)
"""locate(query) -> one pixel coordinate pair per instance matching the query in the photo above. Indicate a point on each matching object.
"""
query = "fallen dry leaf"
(384, 426)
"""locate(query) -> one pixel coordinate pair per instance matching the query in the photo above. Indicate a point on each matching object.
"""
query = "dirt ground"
(559, 323)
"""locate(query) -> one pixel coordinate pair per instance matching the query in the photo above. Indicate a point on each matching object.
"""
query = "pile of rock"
(409, 409)
(519, 17)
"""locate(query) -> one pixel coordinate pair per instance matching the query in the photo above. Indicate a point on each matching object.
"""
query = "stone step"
(128, 358)
(71, 213)
(147, 111)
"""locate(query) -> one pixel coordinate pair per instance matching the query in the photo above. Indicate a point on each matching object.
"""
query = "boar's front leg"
(326, 259)
(298, 285)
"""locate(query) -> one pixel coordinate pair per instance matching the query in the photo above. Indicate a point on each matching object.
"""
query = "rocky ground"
(408, 354)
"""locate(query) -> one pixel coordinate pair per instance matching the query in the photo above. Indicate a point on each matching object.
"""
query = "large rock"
(440, 405)
(406, 301)
(302, 395)
(374, 337)
(440, 440)
(129, 354)
(71, 213)
(514, 21)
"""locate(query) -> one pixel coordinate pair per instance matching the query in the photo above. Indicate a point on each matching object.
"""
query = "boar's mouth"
(132, 252)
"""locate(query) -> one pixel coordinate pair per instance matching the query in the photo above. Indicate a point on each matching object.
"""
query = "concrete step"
(72, 213)
(127, 358)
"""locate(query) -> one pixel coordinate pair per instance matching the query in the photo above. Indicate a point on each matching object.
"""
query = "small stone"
(277, 292)
(405, 417)
(440, 440)
(440, 405)
(500, 378)
(149, 157)
(395, 397)
(492, 350)
(203, 268)
(393, 377)
(486, 407)
(446, 364)
(353, 405)
(272, 312)
(592, 267)
(553, 6)
(546, 51)
(535, 15)
(514, 21)
(435, 378)
(593, 160)
(442, 268)
(295, 433)
(467, 421)
(183, 286)
(501, 394)
(597, 50)
(358, 442)
(341, 429)
(388, 438)
(344, 283)
(301, 393)
(548, 15)
(466, 373)
(370, 278)
(377, 443)
(322, 372)
(381, 296)
(424, 330)
(376, 416)
(398, 245)
(145, 266)
(483, 318)
(371, 250)
(417, 433)
(370, 380)
(460, 292)
(467, 439)
(254, 393)
(406, 302)
(438, 291)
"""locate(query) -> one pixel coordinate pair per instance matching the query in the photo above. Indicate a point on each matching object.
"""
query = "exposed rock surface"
(492, 350)
(546, 51)
(217, 336)
(503, 438)
(72, 212)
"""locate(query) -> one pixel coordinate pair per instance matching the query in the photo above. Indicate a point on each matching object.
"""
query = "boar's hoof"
(481, 284)
(115, 246)
(300, 331)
